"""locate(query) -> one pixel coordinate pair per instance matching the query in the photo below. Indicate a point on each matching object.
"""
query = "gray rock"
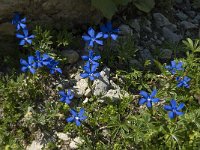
(135, 24)
(172, 27)
(101, 85)
(171, 36)
(188, 25)
(66, 12)
(160, 20)
(181, 16)
(35, 145)
(179, 1)
(7, 29)
(115, 94)
(63, 136)
(146, 55)
(196, 20)
(71, 55)
(166, 53)
(191, 13)
(80, 88)
(74, 144)
(88, 92)
(125, 30)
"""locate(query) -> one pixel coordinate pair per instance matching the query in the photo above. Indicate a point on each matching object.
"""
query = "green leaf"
(107, 7)
(145, 5)
(121, 2)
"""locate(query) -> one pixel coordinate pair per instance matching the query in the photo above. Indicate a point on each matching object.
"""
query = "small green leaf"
(145, 5)
(107, 7)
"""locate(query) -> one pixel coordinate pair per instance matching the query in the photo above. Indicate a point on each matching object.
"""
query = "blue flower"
(91, 37)
(90, 71)
(148, 98)
(91, 58)
(76, 117)
(30, 65)
(17, 22)
(25, 38)
(41, 61)
(108, 31)
(174, 67)
(183, 82)
(53, 66)
(66, 97)
(174, 110)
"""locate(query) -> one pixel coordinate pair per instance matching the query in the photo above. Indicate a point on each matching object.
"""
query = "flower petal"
(91, 32)
(20, 36)
(70, 119)
(153, 93)
(86, 38)
(142, 101)
(180, 106)
(144, 94)
(84, 75)
(171, 115)
(149, 104)
(167, 108)
(173, 103)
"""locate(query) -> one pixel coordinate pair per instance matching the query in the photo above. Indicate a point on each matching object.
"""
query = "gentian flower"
(174, 67)
(43, 60)
(19, 23)
(174, 110)
(183, 82)
(53, 66)
(91, 37)
(90, 71)
(25, 38)
(91, 58)
(76, 117)
(30, 65)
(108, 31)
(66, 97)
(148, 98)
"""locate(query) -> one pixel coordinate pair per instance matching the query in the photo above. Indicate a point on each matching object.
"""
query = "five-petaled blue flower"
(66, 97)
(92, 37)
(183, 82)
(19, 23)
(25, 38)
(90, 71)
(76, 117)
(148, 98)
(91, 58)
(41, 60)
(174, 67)
(30, 65)
(108, 31)
(53, 66)
(174, 110)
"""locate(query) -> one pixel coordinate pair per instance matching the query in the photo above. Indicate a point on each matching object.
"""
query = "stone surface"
(166, 53)
(80, 88)
(63, 136)
(160, 20)
(171, 36)
(125, 30)
(74, 144)
(35, 145)
(71, 55)
(181, 15)
(145, 54)
(55, 12)
(101, 85)
(188, 25)
(7, 29)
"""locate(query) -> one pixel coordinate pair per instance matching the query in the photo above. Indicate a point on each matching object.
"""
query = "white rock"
(63, 136)
(80, 88)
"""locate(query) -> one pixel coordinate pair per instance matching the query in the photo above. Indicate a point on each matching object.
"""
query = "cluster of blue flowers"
(93, 38)
(38, 61)
(173, 109)
(182, 81)
(90, 68)
(25, 38)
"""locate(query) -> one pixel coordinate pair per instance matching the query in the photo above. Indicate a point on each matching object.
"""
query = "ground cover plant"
(158, 106)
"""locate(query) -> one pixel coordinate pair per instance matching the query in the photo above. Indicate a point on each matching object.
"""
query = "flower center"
(77, 118)
(148, 99)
